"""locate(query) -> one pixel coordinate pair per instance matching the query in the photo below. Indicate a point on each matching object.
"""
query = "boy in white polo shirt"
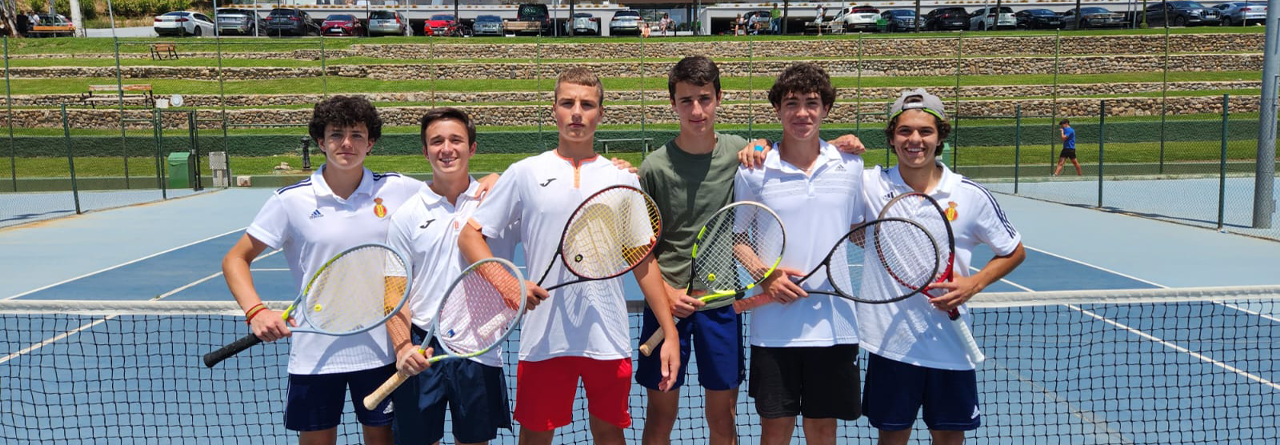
(915, 359)
(804, 350)
(342, 205)
(579, 331)
(425, 230)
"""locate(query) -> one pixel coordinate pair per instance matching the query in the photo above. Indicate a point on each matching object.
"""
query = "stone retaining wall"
(660, 96)
(968, 43)
(759, 113)
(991, 66)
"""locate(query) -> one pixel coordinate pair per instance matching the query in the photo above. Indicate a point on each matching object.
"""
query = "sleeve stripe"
(994, 205)
(302, 183)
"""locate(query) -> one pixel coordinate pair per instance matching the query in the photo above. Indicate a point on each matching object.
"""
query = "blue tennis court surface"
(1135, 372)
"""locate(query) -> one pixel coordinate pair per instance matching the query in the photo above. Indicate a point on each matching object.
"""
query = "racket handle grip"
(966, 337)
(374, 399)
(652, 343)
(215, 357)
(750, 303)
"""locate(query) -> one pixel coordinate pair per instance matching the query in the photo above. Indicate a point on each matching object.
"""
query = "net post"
(71, 161)
(1017, 144)
(1264, 204)
(1102, 144)
(1222, 161)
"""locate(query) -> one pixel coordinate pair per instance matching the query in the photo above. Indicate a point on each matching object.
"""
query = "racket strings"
(906, 251)
(738, 248)
(924, 211)
(611, 233)
(355, 290)
(482, 306)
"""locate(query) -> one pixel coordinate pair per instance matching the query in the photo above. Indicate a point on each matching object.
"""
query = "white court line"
(1181, 349)
(1131, 277)
(122, 264)
(1005, 281)
(91, 324)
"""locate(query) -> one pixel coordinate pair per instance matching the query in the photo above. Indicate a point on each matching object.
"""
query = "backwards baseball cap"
(918, 99)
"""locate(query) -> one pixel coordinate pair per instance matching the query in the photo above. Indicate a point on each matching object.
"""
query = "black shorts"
(1069, 153)
(816, 382)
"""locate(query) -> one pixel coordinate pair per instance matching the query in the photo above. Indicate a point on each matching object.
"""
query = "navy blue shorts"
(475, 394)
(895, 392)
(1069, 153)
(316, 400)
(715, 334)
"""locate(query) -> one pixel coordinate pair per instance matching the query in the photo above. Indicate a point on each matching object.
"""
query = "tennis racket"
(479, 311)
(739, 246)
(355, 291)
(607, 235)
(925, 210)
(901, 247)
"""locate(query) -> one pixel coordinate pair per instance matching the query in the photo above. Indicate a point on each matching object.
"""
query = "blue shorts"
(895, 392)
(475, 394)
(717, 334)
(315, 401)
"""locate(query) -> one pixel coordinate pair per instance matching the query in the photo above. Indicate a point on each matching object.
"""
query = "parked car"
(1181, 13)
(1242, 13)
(583, 24)
(183, 23)
(342, 25)
(947, 18)
(387, 22)
(443, 25)
(627, 21)
(857, 18)
(238, 21)
(899, 20)
(1093, 17)
(985, 18)
(757, 21)
(291, 21)
(487, 25)
(1037, 19)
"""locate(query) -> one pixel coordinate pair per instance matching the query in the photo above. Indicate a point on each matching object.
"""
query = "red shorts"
(545, 391)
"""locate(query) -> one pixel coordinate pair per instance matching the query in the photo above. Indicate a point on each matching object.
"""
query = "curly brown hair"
(345, 111)
(803, 78)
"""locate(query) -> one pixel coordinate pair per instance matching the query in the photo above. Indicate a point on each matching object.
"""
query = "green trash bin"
(179, 170)
(947, 153)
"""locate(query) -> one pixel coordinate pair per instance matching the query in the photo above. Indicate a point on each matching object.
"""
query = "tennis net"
(1172, 366)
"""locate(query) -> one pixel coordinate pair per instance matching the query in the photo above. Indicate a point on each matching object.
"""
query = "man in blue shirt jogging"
(1068, 148)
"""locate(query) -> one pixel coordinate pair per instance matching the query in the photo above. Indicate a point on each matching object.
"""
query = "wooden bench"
(110, 94)
(162, 51)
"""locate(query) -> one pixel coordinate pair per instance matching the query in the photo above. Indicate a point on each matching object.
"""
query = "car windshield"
(1084, 11)
(531, 10)
(488, 18)
(382, 15)
(626, 14)
(443, 17)
(1041, 12)
(340, 18)
(233, 11)
(1006, 10)
(1186, 5)
(176, 14)
(903, 13)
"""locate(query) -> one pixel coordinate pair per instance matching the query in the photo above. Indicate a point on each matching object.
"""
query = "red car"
(342, 25)
(443, 25)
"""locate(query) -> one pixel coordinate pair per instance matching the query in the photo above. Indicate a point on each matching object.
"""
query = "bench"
(109, 94)
(162, 51)
(605, 143)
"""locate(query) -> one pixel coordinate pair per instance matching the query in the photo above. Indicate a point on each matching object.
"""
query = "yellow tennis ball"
(711, 277)
(318, 308)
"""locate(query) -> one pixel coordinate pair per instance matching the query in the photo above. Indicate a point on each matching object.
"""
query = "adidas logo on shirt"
(316, 214)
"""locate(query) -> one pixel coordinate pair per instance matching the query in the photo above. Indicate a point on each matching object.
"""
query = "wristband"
(251, 308)
(254, 313)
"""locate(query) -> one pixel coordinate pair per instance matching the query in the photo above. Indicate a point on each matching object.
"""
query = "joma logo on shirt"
(426, 224)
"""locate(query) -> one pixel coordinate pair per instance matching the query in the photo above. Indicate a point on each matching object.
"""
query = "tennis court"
(1068, 362)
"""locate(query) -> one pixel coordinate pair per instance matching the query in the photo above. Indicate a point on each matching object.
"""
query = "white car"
(985, 18)
(857, 18)
(181, 23)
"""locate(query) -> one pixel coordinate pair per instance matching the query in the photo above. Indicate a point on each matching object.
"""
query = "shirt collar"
(322, 187)
(826, 154)
(945, 186)
(430, 197)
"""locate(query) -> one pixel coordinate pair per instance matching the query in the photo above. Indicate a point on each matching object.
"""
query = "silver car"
(1242, 13)
(487, 25)
(584, 23)
(388, 22)
(626, 21)
(244, 22)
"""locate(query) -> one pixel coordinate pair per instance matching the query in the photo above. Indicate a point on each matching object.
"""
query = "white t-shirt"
(541, 192)
(425, 230)
(913, 331)
(313, 225)
(816, 210)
